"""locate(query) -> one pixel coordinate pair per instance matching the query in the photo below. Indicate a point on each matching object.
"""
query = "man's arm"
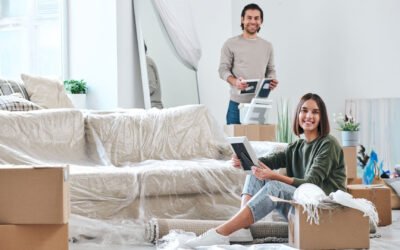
(225, 69)
(226, 64)
(270, 70)
(152, 74)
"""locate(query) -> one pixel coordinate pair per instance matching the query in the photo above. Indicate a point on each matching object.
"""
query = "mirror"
(177, 81)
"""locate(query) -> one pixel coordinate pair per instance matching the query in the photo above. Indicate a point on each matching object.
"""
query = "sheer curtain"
(379, 130)
(177, 18)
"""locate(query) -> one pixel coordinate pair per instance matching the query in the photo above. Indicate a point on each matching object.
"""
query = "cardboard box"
(339, 228)
(34, 237)
(34, 195)
(378, 194)
(350, 159)
(253, 132)
(394, 199)
(353, 181)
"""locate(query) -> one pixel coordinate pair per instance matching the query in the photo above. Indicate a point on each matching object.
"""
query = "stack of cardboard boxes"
(350, 159)
(379, 195)
(34, 208)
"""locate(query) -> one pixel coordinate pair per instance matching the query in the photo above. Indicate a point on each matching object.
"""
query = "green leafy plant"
(75, 86)
(346, 122)
(284, 128)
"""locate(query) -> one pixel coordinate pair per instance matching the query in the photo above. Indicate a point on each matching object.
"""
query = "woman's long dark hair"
(323, 126)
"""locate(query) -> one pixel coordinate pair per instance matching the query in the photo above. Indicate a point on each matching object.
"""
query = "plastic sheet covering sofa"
(132, 164)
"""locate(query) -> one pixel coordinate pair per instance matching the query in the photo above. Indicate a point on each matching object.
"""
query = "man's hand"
(273, 84)
(263, 172)
(240, 83)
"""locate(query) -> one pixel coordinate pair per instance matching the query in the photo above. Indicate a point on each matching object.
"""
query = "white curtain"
(379, 129)
(177, 18)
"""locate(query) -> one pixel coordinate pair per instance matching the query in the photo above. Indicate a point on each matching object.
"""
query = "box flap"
(362, 186)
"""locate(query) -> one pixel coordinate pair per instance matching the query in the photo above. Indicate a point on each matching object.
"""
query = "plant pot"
(350, 138)
(79, 100)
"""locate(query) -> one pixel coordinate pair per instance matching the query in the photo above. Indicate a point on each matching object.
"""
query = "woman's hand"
(236, 162)
(263, 172)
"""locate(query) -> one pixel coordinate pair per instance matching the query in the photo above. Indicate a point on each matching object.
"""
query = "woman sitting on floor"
(316, 159)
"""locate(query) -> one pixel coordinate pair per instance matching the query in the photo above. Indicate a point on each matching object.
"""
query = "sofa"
(133, 163)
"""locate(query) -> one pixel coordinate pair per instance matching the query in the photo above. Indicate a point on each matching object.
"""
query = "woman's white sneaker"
(209, 238)
(241, 235)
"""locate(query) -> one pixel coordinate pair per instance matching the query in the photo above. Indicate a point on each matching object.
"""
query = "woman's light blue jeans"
(260, 204)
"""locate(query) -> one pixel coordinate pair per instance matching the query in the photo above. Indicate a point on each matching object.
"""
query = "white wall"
(213, 23)
(338, 49)
(130, 91)
(103, 51)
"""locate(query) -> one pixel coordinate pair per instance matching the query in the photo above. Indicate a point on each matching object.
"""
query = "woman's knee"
(272, 185)
(252, 185)
(279, 189)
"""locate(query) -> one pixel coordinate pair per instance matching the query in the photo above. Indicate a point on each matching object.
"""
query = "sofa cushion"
(179, 133)
(8, 87)
(15, 103)
(46, 92)
(42, 136)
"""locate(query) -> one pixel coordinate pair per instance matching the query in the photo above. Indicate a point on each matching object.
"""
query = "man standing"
(246, 56)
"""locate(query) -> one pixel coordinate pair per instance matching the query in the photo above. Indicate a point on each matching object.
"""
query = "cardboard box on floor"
(253, 132)
(394, 199)
(350, 159)
(34, 237)
(378, 194)
(338, 228)
(34, 195)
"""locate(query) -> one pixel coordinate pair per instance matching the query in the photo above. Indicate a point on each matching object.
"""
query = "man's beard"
(250, 30)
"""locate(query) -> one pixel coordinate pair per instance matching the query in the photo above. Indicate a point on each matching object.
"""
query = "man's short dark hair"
(252, 6)
(323, 126)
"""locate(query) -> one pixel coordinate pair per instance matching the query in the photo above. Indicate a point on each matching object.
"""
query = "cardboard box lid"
(34, 194)
(366, 187)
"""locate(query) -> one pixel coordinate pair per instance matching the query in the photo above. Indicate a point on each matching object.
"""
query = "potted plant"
(350, 129)
(76, 92)
(284, 127)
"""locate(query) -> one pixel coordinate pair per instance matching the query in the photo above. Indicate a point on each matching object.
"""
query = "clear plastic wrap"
(129, 166)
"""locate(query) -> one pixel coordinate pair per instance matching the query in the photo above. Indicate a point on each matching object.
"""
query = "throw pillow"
(14, 103)
(46, 92)
(8, 87)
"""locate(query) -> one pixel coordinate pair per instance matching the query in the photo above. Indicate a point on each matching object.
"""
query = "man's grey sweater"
(246, 58)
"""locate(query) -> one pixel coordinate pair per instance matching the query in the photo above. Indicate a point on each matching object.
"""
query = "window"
(30, 37)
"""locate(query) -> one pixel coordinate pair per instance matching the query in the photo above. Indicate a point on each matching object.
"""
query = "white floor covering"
(389, 240)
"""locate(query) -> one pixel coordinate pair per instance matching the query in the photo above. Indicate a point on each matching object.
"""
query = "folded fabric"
(15, 103)
(311, 197)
